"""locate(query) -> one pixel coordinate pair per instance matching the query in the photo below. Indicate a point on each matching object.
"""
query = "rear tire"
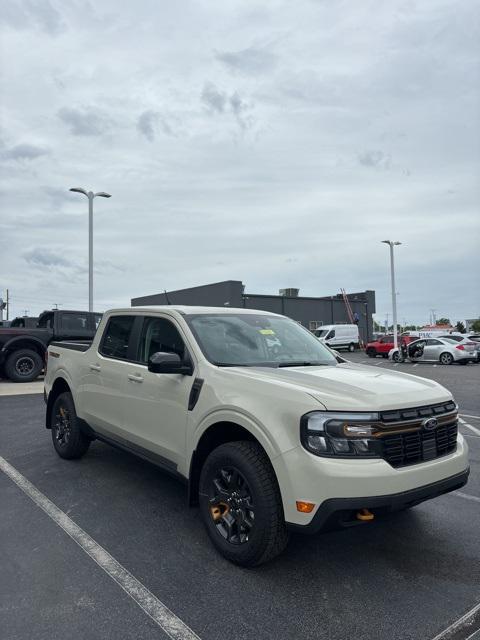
(240, 504)
(23, 365)
(68, 440)
(351, 347)
(396, 357)
(446, 358)
(371, 353)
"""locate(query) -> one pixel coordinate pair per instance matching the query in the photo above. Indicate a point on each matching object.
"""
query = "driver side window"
(159, 334)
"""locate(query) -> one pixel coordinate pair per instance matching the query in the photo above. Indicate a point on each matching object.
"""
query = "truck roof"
(186, 309)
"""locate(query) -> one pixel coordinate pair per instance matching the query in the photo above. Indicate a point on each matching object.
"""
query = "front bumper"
(341, 512)
(303, 476)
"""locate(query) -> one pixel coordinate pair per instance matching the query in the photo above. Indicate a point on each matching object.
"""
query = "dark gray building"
(311, 312)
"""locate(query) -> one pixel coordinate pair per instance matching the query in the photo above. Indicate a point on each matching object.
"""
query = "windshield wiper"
(302, 364)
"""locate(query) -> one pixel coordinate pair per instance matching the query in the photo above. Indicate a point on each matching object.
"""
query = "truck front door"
(156, 405)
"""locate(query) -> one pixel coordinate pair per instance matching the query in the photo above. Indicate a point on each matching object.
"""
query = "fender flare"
(237, 416)
(10, 345)
(52, 396)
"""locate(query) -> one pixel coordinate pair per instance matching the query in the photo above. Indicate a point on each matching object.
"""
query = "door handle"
(95, 367)
(135, 377)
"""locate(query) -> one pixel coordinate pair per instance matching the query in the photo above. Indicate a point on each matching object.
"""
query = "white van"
(338, 336)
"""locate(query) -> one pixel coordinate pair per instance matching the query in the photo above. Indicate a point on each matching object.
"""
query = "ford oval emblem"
(429, 424)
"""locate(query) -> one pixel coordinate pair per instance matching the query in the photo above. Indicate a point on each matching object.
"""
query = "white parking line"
(151, 605)
(469, 426)
(459, 625)
(416, 365)
(464, 415)
(467, 496)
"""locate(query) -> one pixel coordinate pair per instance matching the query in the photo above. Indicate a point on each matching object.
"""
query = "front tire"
(396, 357)
(23, 365)
(371, 353)
(240, 504)
(68, 440)
(446, 358)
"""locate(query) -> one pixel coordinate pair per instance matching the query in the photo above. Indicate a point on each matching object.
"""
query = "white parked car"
(467, 341)
(268, 428)
(443, 350)
(339, 336)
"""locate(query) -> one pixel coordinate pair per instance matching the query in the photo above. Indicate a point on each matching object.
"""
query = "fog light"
(360, 446)
(340, 446)
(305, 507)
(318, 443)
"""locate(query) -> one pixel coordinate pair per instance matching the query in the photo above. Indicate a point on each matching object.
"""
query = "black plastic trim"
(74, 346)
(195, 393)
(340, 512)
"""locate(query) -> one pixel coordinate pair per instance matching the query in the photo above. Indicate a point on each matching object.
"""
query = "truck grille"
(410, 443)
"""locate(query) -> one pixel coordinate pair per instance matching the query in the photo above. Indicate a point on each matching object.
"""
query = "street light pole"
(391, 244)
(90, 195)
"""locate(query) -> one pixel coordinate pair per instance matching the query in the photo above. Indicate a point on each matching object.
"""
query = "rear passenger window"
(116, 337)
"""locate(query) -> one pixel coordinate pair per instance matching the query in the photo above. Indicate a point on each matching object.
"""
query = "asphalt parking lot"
(411, 576)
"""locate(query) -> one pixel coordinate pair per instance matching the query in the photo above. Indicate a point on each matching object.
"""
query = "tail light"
(460, 347)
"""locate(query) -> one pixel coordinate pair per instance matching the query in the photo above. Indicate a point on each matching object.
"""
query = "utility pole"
(8, 304)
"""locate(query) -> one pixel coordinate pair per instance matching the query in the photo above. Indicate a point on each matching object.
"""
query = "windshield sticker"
(267, 332)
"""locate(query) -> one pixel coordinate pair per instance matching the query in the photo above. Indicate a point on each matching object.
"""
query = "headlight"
(342, 435)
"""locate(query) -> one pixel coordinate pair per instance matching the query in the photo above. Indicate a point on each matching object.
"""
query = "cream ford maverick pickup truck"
(270, 429)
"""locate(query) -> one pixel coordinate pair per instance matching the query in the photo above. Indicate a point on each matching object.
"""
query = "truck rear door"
(103, 386)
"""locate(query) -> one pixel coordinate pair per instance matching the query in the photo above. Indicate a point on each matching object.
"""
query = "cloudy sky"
(271, 142)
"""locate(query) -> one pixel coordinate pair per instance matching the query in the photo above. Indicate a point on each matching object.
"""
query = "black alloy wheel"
(241, 505)
(62, 426)
(67, 437)
(231, 505)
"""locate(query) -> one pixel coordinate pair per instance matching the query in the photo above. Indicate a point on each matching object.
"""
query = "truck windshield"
(257, 340)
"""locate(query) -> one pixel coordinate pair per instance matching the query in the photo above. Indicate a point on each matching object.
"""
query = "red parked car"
(382, 346)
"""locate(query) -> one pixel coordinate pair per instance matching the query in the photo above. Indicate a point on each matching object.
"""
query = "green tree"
(460, 327)
(443, 321)
(476, 326)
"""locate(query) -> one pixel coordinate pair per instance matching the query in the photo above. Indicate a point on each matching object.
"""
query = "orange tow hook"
(365, 515)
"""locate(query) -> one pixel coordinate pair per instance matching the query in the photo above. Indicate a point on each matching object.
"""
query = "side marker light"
(305, 507)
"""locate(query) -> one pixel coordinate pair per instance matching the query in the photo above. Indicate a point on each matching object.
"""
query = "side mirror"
(162, 362)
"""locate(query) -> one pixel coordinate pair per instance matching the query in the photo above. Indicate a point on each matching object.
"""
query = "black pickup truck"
(22, 350)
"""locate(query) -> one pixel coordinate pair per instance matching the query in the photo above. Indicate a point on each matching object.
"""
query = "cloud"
(240, 108)
(40, 14)
(24, 151)
(214, 99)
(219, 102)
(85, 122)
(149, 122)
(251, 61)
(46, 258)
(375, 159)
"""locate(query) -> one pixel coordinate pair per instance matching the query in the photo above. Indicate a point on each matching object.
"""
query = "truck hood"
(352, 387)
